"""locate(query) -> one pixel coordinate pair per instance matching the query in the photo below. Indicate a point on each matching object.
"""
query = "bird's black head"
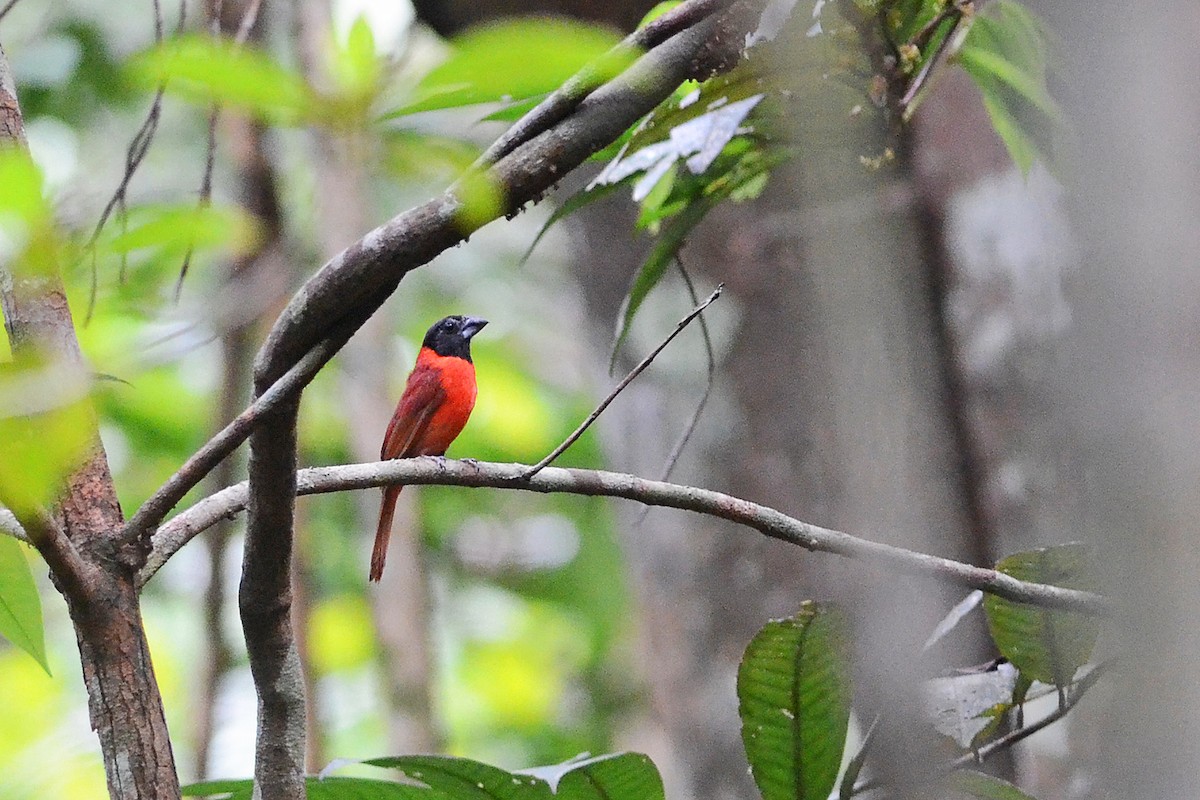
(451, 336)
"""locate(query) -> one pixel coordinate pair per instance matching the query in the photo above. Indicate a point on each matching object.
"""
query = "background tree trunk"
(92, 563)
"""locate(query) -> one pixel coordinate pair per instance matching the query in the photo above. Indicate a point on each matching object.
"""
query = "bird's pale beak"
(472, 326)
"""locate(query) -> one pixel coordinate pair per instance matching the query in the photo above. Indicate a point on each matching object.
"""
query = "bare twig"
(1011, 738)
(620, 387)
(711, 366)
(138, 148)
(598, 483)
(210, 157)
(245, 26)
(7, 8)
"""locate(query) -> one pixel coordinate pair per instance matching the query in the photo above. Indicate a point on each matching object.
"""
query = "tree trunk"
(91, 563)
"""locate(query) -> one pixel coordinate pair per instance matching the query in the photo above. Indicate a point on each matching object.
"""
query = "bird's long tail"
(384, 531)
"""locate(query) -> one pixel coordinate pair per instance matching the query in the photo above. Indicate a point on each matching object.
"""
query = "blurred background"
(947, 353)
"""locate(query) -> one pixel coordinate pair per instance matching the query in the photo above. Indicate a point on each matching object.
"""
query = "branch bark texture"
(768, 521)
(91, 563)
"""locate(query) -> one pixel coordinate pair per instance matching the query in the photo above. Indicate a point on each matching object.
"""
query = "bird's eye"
(448, 325)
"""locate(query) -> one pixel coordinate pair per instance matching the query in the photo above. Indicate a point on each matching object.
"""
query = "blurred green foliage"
(533, 610)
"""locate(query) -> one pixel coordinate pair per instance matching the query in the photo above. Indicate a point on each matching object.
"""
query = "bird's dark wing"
(423, 396)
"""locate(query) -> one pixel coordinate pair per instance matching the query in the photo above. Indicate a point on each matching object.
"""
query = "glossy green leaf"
(514, 60)
(985, 787)
(1049, 646)
(1006, 54)
(671, 238)
(20, 605)
(206, 70)
(619, 776)
(794, 700)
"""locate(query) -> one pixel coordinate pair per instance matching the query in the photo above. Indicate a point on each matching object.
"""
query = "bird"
(437, 401)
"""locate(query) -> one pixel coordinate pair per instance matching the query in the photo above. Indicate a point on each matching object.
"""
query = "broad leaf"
(1005, 53)
(514, 60)
(1045, 645)
(794, 696)
(619, 776)
(20, 606)
(206, 70)
(985, 787)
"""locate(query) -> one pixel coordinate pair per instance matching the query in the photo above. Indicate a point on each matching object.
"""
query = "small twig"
(949, 43)
(206, 184)
(1011, 738)
(8, 7)
(690, 428)
(249, 17)
(134, 155)
(711, 365)
(620, 387)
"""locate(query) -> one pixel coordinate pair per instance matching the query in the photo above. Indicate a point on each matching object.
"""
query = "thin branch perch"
(768, 521)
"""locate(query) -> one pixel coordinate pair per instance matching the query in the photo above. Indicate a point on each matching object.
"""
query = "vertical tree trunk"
(90, 562)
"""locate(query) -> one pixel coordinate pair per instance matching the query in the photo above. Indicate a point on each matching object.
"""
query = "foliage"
(20, 606)
(1045, 645)
(620, 776)
(714, 142)
(794, 694)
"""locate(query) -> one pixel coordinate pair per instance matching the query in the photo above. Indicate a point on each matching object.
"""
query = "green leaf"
(631, 776)
(20, 606)
(463, 777)
(568, 207)
(674, 233)
(45, 419)
(179, 228)
(515, 60)
(1005, 53)
(205, 70)
(619, 776)
(985, 787)
(794, 693)
(981, 63)
(1045, 645)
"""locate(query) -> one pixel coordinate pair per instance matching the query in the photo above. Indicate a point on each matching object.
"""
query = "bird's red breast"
(434, 408)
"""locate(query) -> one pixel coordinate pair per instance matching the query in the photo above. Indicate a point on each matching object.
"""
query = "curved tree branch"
(768, 521)
(374, 265)
(343, 295)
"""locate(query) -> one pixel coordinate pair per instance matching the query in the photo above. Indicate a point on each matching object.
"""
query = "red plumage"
(433, 410)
